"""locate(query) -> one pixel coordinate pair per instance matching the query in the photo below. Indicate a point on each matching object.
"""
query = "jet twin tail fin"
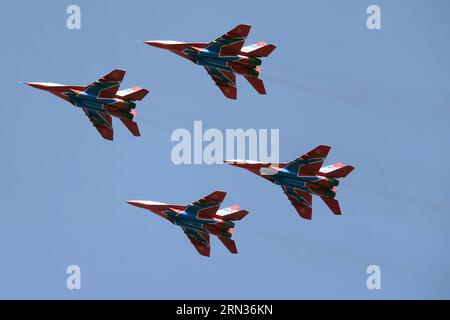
(336, 170)
(259, 49)
(133, 94)
(232, 213)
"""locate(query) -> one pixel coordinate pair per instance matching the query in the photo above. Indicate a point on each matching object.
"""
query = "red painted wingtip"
(324, 147)
(240, 30)
(219, 194)
(116, 75)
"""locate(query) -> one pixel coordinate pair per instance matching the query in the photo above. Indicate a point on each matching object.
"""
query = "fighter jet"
(200, 219)
(302, 178)
(100, 100)
(224, 57)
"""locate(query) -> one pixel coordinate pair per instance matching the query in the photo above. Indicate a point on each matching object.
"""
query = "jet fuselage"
(116, 107)
(212, 226)
(89, 101)
(247, 66)
(319, 185)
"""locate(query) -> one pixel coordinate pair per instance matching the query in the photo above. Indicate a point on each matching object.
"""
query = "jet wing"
(102, 122)
(309, 163)
(206, 208)
(230, 43)
(200, 240)
(302, 201)
(226, 81)
(107, 86)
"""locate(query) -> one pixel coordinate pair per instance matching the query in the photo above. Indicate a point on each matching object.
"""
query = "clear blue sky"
(380, 98)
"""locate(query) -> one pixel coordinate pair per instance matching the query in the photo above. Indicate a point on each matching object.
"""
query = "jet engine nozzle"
(228, 224)
(329, 193)
(333, 182)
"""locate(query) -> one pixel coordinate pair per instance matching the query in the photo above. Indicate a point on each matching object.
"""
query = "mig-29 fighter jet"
(200, 219)
(100, 100)
(302, 178)
(224, 57)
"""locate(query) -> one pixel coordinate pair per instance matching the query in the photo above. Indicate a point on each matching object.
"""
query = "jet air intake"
(268, 171)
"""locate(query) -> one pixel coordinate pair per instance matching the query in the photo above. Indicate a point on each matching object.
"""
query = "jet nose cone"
(237, 163)
(157, 44)
(164, 44)
(137, 203)
(231, 162)
(42, 85)
(36, 85)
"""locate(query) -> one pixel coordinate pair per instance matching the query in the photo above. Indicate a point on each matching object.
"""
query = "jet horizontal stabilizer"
(333, 204)
(132, 126)
(258, 84)
(229, 244)
(232, 213)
